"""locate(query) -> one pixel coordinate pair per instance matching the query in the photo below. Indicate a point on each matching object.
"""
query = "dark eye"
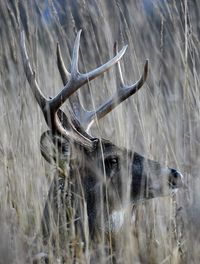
(114, 161)
(111, 164)
(111, 161)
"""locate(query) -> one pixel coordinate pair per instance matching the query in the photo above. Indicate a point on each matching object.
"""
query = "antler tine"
(65, 76)
(75, 55)
(119, 71)
(30, 75)
(122, 93)
(78, 79)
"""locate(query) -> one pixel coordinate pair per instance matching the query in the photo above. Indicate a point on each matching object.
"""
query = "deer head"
(92, 170)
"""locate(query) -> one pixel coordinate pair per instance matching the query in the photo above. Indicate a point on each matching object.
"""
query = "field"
(161, 121)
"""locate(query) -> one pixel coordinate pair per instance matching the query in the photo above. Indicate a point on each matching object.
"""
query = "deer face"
(109, 175)
(120, 170)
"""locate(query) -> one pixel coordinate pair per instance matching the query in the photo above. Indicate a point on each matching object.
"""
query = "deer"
(93, 175)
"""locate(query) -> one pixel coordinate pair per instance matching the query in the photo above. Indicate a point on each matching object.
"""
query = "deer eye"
(114, 160)
(111, 163)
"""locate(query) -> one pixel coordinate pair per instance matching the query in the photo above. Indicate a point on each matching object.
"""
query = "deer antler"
(86, 118)
(30, 75)
(73, 81)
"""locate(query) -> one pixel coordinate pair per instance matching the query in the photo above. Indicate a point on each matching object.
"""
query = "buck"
(93, 176)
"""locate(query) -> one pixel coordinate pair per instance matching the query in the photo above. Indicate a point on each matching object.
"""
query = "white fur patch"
(117, 220)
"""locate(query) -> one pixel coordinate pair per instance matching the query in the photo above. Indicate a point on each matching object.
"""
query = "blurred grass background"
(161, 122)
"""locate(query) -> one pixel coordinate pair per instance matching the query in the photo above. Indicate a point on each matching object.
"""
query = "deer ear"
(55, 149)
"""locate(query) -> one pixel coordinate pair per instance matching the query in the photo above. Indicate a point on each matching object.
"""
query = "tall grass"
(161, 121)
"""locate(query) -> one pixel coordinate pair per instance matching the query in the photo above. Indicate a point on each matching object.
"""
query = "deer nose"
(175, 179)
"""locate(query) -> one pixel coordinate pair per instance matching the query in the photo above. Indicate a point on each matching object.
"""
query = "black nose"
(175, 179)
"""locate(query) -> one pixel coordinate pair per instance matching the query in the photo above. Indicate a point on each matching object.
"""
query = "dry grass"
(160, 122)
